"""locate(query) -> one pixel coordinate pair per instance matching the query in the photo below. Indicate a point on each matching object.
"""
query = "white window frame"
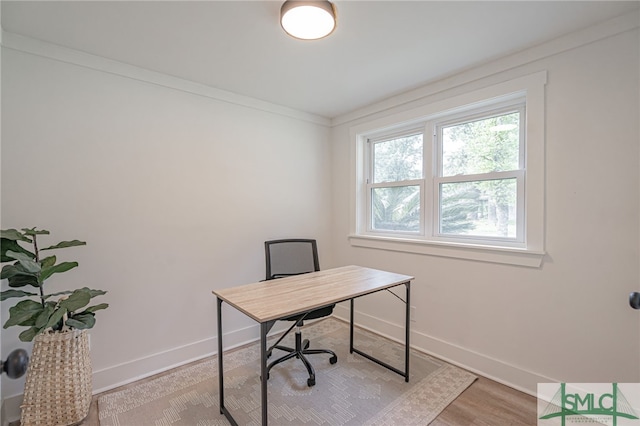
(528, 248)
(370, 184)
(436, 127)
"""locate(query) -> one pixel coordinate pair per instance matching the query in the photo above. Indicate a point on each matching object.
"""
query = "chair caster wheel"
(305, 344)
(333, 360)
(311, 381)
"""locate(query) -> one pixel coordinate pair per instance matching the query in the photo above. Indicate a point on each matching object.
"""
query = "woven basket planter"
(58, 385)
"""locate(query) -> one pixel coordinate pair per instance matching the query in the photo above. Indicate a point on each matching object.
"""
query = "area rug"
(354, 391)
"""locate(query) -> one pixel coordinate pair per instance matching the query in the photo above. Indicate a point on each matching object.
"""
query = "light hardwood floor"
(484, 403)
(489, 403)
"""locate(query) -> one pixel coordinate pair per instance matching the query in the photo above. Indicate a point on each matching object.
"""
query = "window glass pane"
(482, 146)
(398, 159)
(481, 208)
(396, 208)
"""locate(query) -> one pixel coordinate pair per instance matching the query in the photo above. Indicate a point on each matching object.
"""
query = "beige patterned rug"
(354, 391)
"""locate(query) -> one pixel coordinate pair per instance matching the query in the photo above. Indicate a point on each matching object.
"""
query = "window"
(396, 184)
(479, 179)
(465, 179)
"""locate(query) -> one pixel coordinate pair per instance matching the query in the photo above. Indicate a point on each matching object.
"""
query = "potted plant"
(57, 323)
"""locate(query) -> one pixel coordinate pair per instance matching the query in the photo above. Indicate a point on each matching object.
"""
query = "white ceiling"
(380, 48)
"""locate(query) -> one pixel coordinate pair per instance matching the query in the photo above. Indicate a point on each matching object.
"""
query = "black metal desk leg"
(220, 369)
(351, 328)
(263, 370)
(407, 332)
(407, 302)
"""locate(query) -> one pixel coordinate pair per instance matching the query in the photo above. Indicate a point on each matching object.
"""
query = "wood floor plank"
(488, 403)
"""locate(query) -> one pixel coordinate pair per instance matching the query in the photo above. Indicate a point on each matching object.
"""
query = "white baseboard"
(475, 362)
(131, 371)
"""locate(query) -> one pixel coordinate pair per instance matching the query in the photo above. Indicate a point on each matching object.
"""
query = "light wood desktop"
(267, 301)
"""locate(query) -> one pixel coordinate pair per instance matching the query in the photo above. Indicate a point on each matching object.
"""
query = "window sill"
(503, 255)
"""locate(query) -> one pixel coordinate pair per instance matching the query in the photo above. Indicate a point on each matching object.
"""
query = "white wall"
(569, 320)
(174, 193)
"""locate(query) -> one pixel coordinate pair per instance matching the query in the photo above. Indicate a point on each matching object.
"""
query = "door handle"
(634, 300)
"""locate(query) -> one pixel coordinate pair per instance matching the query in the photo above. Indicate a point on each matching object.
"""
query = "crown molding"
(606, 29)
(612, 27)
(59, 53)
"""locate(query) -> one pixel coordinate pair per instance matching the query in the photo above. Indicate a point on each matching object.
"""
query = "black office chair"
(293, 257)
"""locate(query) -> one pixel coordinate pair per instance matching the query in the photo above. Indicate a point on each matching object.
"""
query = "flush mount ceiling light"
(308, 20)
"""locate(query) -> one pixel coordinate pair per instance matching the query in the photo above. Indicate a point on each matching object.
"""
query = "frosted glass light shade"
(308, 20)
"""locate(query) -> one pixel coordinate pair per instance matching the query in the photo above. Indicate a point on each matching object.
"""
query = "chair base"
(301, 349)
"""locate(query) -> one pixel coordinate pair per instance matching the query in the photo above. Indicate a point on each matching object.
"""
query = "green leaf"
(13, 235)
(34, 231)
(55, 318)
(94, 293)
(11, 245)
(61, 267)
(7, 294)
(44, 316)
(9, 271)
(23, 280)
(19, 256)
(48, 262)
(94, 308)
(29, 334)
(78, 299)
(65, 244)
(23, 313)
(81, 321)
(30, 266)
(18, 276)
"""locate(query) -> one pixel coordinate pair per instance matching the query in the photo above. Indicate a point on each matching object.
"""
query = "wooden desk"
(268, 301)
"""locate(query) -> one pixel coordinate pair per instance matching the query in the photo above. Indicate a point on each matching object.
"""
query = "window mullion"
(429, 214)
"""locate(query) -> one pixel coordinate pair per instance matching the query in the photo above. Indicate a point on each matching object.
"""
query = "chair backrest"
(290, 257)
